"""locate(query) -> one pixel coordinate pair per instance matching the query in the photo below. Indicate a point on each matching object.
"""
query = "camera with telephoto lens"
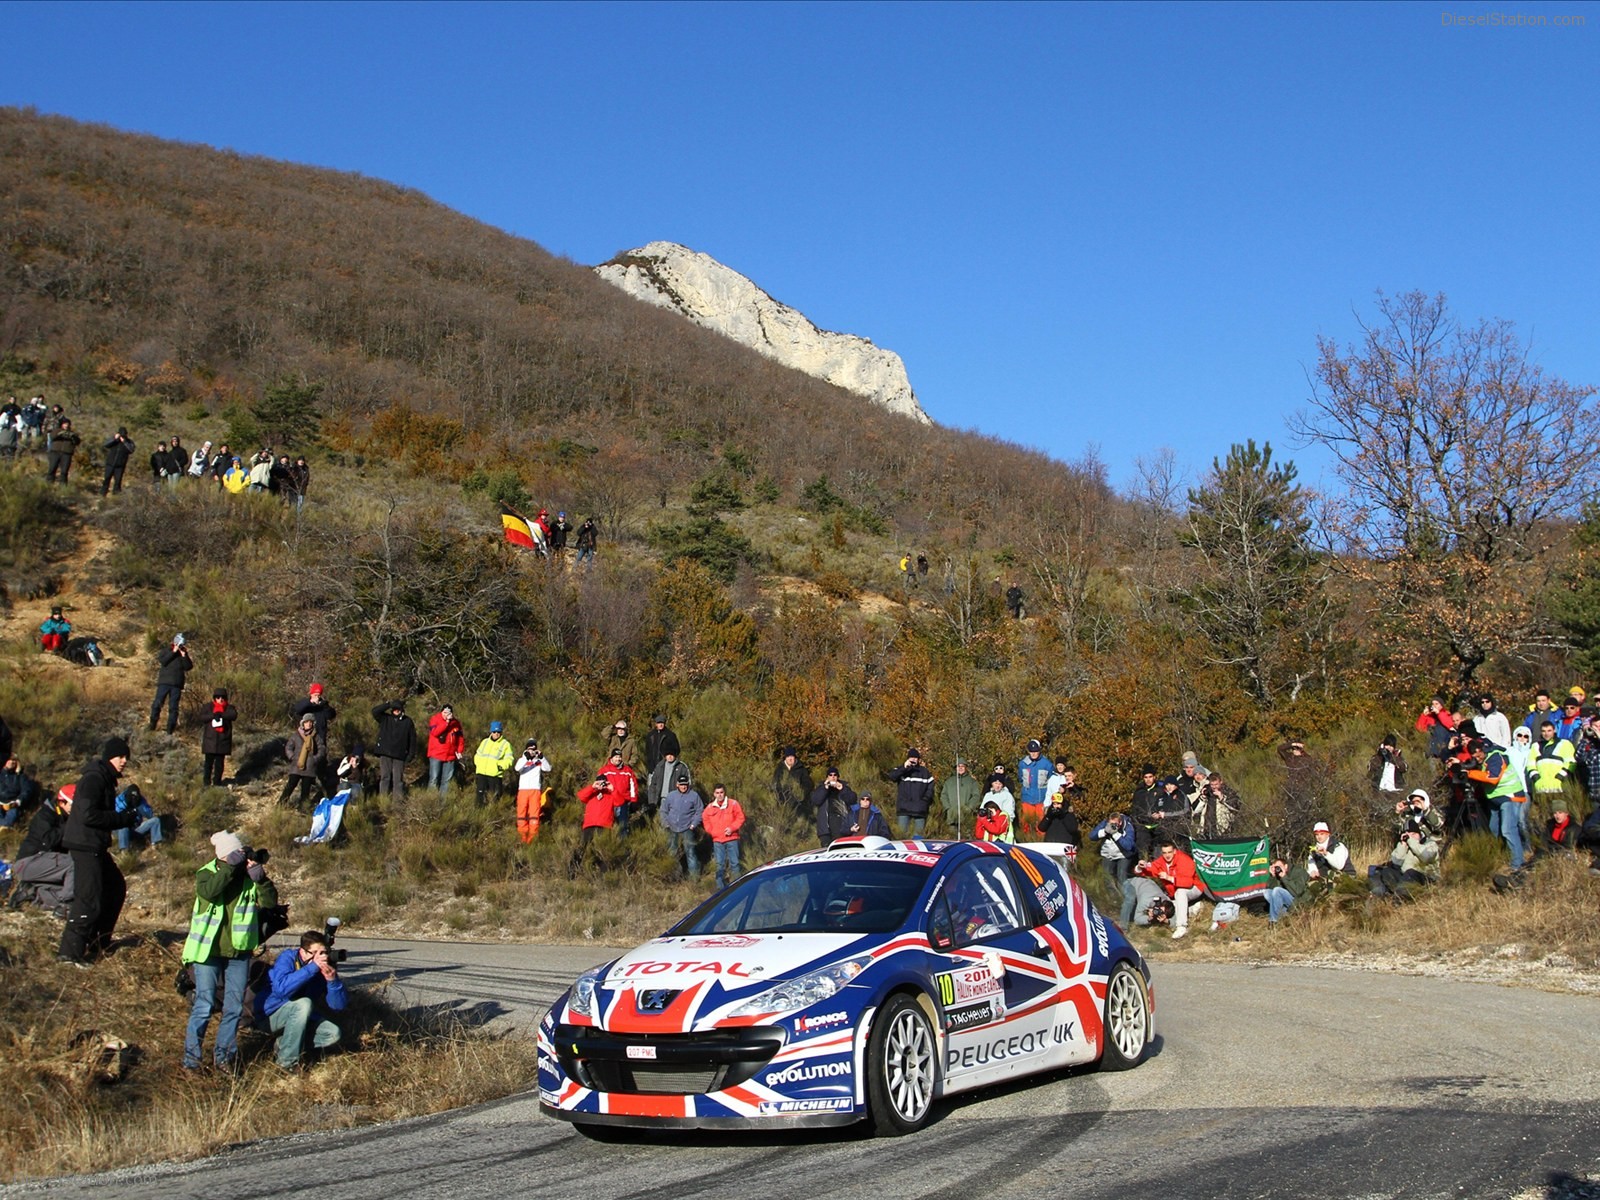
(330, 929)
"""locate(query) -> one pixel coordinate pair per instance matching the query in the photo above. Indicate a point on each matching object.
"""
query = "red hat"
(316, 689)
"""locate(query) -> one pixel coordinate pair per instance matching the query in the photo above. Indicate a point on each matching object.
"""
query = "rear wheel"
(902, 1068)
(1127, 1024)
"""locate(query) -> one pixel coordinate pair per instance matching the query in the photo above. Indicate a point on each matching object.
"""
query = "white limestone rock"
(719, 298)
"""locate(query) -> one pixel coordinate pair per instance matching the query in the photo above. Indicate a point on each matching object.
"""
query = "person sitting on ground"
(1328, 856)
(54, 631)
(305, 991)
(1562, 832)
(1144, 902)
(1289, 884)
(1175, 871)
(43, 871)
(867, 820)
(17, 792)
(1414, 861)
(131, 800)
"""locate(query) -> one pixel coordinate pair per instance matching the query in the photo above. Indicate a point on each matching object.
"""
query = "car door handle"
(1041, 951)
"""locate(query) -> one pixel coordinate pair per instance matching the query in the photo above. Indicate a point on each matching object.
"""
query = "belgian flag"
(518, 529)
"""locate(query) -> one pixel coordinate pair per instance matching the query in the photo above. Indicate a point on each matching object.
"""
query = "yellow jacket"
(493, 757)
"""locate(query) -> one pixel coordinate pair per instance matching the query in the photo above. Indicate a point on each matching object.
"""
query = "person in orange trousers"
(531, 768)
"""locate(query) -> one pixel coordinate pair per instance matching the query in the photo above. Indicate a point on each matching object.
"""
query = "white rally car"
(861, 981)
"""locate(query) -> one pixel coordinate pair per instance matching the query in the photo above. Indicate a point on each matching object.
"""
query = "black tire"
(902, 1068)
(1128, 1030)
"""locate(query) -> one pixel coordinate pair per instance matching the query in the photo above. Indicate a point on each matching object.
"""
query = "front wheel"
(902, 1068)
(1127, 1024)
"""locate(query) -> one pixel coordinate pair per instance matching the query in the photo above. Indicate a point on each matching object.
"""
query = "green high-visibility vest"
(205, 923)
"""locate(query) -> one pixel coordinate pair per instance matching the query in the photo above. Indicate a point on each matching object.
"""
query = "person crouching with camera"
(1415, 858)
(305, 991)
(231, 892)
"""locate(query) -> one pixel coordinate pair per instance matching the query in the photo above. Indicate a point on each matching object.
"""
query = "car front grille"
(682, 1064)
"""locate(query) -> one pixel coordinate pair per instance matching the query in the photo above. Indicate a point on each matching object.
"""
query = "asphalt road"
(1264, 1082)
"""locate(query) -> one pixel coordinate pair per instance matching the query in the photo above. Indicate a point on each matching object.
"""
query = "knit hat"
(226, 843)
(496, 727)
(1189, 759)
(1033, 745)
(115, 747)
(316, 689)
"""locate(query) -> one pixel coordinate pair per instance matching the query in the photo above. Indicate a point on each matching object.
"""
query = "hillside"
(215, 274)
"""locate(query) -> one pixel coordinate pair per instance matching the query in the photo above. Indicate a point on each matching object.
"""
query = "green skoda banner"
(1233, 870)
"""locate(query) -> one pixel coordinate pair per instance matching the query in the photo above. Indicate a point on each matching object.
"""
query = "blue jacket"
(1032, 775)
(1123, 840)
(291, 981)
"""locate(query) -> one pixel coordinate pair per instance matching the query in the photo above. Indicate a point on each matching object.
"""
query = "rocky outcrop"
(719, 298)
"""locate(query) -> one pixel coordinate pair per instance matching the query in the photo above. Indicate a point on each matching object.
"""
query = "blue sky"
(1120, 227)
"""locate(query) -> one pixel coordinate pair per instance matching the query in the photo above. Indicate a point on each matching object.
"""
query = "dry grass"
(79, 1106)
(1540, 934)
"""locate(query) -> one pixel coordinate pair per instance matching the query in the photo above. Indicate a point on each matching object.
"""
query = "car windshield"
(843, 896)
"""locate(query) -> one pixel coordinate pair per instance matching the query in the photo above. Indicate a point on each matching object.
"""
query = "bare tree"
(1455, 448)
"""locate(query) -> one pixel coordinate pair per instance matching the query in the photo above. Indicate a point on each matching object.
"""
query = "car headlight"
(581, 999)
(804, 991)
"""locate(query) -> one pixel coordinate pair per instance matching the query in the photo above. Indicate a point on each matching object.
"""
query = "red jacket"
(1179, 873)
(624, 785)
(723, 821)
(991, 828)
(445, 739)
(596, 807)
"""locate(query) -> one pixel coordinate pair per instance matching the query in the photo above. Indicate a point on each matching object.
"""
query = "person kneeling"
(305, 987)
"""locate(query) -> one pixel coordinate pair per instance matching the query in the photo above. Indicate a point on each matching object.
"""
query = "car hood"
(673, 984)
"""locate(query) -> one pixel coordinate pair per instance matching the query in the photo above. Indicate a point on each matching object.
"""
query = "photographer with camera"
(231, 895)
(1289, 885)
(175, 663)
(1415, 857)
(1386, 769)
(305, 990)
(598, 813)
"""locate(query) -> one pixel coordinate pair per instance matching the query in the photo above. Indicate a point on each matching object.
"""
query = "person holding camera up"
(1386, 769)
(1415, 857)
(597, 814)
(175, 663)
(230, 894)
(305, 991)
(833, 799)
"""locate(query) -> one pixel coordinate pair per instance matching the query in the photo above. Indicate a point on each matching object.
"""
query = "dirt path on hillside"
(95, 610)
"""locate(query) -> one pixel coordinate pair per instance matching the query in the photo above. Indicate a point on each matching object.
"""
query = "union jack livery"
(863, 981)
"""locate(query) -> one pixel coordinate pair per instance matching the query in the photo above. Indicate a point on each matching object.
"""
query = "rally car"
(863, 981)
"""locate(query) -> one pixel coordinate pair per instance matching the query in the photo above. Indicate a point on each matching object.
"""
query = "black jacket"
(658, 743)
(174, 667)
(914, 789)
(44, 831)
(833, 809)
(218, 735)
(320, 713)
(792, 788)
(118, 451)
(94, 810)
(15, 786)
(397, 735)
